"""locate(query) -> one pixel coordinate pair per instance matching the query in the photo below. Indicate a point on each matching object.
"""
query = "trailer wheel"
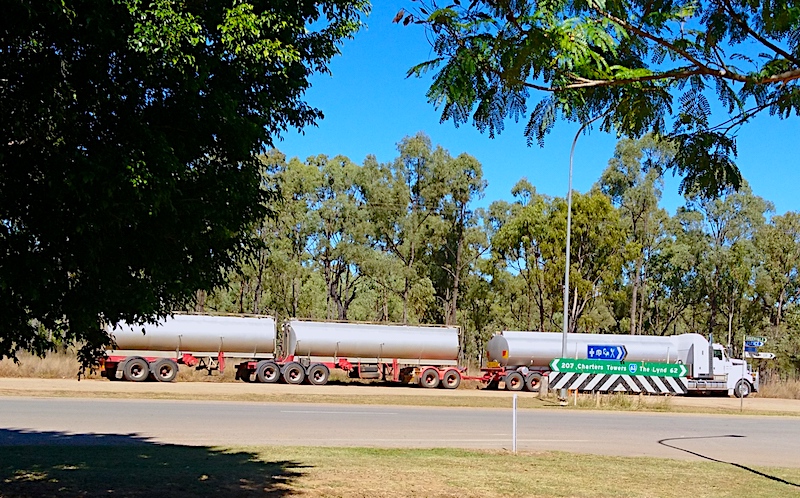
(293, 373)
(164, 370)
(136, 369)
(742, 389)
(451, 379)
(268, 372)
(515, 381)
(318, 375)
(533, 382)
(429, 378)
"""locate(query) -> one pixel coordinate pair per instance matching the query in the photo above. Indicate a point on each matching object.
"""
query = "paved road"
(744, 440)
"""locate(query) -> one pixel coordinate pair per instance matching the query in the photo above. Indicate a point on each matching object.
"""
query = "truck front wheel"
(742, 389)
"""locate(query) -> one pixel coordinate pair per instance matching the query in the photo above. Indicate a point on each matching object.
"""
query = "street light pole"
(563, 394)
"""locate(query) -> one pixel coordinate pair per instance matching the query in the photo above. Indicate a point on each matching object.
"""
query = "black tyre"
(318, 375)
(294, 373)
(533, 382)
(451, 379)
(136, 369)
(742, 389)
(268, 372)
(164, 370)
(515, 381)
(429, 378)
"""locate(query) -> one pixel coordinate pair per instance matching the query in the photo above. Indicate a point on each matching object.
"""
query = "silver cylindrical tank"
(513, 348)
(361, 340)
(199, 333)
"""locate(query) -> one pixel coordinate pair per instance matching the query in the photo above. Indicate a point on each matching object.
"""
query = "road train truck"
(427, 355)
(677, 364)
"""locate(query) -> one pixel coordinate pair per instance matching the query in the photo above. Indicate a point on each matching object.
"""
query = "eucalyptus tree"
(275, 275)
(460, 242)
(529, 242)
(674, 284)
(128, 175)
(730, 222)
(339, 229)
(401, 202)
(522, 233)
(634, 182)
(598, 251)
(637, 66)
(778, 275)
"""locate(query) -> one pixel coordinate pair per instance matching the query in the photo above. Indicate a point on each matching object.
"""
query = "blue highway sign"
(606, 352)
(754, 344)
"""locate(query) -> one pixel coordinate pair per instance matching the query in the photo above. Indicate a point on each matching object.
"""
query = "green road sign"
(605, 367)
(755, 338)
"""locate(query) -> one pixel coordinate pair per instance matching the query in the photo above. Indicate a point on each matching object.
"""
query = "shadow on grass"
(737, 465)
(58, 464)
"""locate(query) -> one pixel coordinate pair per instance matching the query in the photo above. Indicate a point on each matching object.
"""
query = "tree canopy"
(129, 176)
(637, 66)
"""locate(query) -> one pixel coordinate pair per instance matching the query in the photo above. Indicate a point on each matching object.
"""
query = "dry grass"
(65, 365)
(619, 401)
(59, 365)
(785, 389)
(135, 468)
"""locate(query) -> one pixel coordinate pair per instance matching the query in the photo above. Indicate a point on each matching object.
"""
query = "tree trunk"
(200, 301)
(730, 326)
(452, 312)
(712, 319)
(635, 295)
(295, 296)
(385, 306)
(257, 290)
(407, 288)
(573, 322)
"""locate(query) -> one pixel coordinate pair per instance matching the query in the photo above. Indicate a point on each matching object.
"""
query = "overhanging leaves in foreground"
(128, 170)
(644, 65)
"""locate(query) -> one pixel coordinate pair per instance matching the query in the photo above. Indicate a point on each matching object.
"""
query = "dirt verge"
(350, 393)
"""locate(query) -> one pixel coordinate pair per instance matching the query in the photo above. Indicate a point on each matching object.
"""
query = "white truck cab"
(736, 372)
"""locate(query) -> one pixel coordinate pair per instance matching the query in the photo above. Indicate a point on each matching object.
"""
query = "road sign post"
(744, 348)
(514, 426)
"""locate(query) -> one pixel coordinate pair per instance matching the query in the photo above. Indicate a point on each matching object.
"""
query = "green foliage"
(637, 66)
(130, 130)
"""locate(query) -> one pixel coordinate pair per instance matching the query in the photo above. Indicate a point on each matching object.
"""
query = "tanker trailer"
(521, 358)
(201, 341)
(398, 353)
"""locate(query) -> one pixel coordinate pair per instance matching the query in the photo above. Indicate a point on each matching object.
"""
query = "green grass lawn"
(135, 468)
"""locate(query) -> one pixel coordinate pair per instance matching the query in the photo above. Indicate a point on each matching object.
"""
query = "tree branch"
(728, 7)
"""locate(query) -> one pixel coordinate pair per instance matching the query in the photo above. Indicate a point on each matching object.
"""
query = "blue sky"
(370, 105)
